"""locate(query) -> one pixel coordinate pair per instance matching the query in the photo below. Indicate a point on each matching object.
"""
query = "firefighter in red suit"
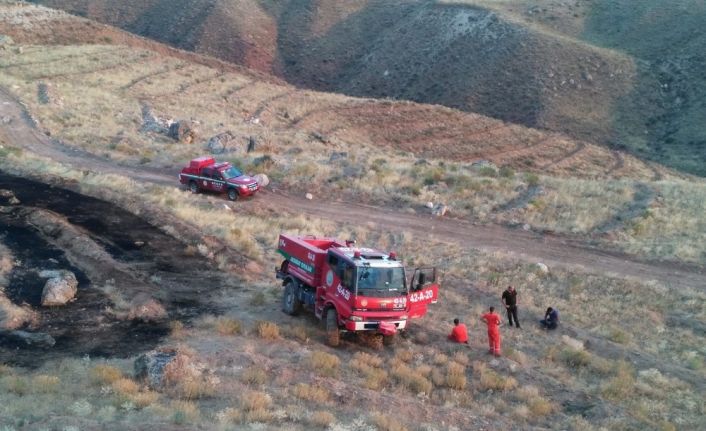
(492, 319)
(459, 333)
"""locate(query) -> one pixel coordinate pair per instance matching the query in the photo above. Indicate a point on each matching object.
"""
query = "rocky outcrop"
(262, 180)
(60, 288)
(150, 366)
(184, 131)
(220, 143)
(14, 316)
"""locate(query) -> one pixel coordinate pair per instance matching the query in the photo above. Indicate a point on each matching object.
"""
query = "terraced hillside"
(585, 68)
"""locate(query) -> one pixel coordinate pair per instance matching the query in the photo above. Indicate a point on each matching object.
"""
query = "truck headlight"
(403, 317)
(355, 319)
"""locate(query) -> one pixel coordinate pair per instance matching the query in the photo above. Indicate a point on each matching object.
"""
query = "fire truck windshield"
(381, 282)
(231, 172)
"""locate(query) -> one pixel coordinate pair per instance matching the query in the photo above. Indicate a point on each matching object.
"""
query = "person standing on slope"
(492, 319)
(509, 299)
(459, 333)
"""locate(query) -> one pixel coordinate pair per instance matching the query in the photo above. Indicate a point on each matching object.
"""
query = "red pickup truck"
(204, 173)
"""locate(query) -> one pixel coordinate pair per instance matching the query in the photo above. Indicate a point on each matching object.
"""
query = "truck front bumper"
(372, 325)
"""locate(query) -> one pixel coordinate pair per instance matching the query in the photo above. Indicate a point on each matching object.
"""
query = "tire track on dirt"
(580, 146)
(142, 78)
(618, 165)
(553, 250)
(642, 198)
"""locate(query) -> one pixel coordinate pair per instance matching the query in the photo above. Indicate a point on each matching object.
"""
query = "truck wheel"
(388, 340)
(233, 194)
(193, 187)
(290, 303)
(333, 334)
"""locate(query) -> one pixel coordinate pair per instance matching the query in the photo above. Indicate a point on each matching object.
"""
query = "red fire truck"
(203, 173)
(352, 288)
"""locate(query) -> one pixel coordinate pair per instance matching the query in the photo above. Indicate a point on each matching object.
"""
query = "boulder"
(184, 131)
(572, 342)
(338, 155)
(262, 180)
(309, 196)
(60, 288)
(429, 205)
(440, 210)
(542, 268)
(219, 144)
(154, 123)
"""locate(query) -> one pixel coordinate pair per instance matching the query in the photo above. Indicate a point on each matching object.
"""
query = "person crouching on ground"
(459, 333)
(492, 319)
(551, 319)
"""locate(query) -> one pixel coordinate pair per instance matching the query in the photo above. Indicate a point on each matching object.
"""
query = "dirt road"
(549, 249)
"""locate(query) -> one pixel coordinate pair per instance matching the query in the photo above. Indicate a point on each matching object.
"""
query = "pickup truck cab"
(205, 174)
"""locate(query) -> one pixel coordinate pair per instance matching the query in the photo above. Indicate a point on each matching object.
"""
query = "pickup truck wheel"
(333, 334)
(233, 194)
(193, 187)
(290, 303)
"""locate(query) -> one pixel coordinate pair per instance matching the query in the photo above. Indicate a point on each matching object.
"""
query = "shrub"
(506, 172)
(105, 374)
(258, 299)
(489, 379)
(455, 376)
(45, 384)
(124, 386)
(324, 363)
(322, 419)
(267, 330)
(440, 359)
(307, 392)
(621, 386)
(184, 412)
(299, 332)
(539, 406)
(574, 357)
(196, 387)
(487, 171)
(411, 379)
(17, 385)
(531, 179)
(176, 329)
(254, 375)
(403, 356)
(386, 423)
(227, 326)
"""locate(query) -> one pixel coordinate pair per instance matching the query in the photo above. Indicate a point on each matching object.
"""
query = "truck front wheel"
(233, 194)
(333, 334)
(193, 187)
(290, 302)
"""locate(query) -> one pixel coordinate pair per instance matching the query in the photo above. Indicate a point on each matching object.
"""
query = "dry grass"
(323, 363)
(105, 374)
(411, 379)
(620, 386)
(322, 419)
(254, 375)
(256, 407)
(384, 422)
(490, 380)
(308, 392)
(267, 330)
(455, 376)
(228, 326)
(185, 412)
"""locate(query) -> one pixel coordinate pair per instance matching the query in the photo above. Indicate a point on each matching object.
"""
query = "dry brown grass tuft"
(196, 387)
(256, 406)
(176, 329)
(386, 423)
(105, 374)
(621, 385)
(322, 419)
(362, 361)
(462, 358)
(46, 384)
(324, 363)
(185, 412)
(440, 359)
(254, 375)
(455, 376)
(125, 386)
(17, 385)
(228, 326)
(411, 379)
(490, 380)
(403, 355)
(267, 330)
(298, 332)
(307, 392)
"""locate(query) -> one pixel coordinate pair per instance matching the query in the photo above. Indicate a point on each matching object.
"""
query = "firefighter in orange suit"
(492, 319)
(459, 333)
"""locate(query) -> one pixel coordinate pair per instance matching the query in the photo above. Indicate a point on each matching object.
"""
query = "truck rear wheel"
(233, 194)
(290, 302)
(333, 334)
(193, 187)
